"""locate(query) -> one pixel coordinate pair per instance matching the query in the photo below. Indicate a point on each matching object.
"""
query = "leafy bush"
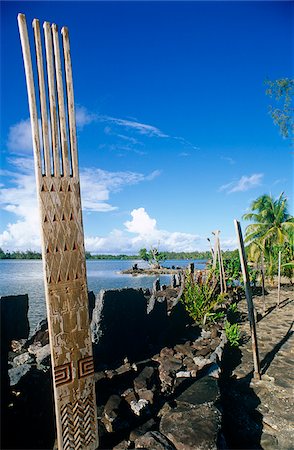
(233, 334)
(200, 300)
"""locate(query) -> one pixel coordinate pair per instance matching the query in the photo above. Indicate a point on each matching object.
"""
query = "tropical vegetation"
(201, 299)
(271, 232)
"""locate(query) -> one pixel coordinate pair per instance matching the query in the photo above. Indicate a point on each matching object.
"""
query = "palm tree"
(271, 229)
(272, 222)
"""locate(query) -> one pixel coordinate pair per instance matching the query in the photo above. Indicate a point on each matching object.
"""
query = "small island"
(135, 270)
(154, 259)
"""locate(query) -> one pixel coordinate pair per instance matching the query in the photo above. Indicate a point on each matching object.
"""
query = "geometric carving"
(63, 374)
(77, 423)
(58, 189)
(86, 366)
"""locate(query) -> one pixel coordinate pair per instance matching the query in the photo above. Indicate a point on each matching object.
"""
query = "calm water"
(26, 277)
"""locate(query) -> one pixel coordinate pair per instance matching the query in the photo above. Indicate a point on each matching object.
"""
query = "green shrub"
(233, 334)
(200, 300)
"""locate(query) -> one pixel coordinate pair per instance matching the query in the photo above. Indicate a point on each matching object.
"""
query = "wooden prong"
(52, 98)
(61, 107)
(70, 102)
(23, 31)
(43, 103)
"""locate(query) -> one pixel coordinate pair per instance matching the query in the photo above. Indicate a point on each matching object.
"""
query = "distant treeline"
(29, 254)
(163, 256)
(110, 257)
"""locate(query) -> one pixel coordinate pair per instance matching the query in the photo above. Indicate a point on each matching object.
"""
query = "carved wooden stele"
(58, 190)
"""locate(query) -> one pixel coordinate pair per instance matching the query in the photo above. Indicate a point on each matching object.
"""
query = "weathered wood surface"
(248, 299)
(217, 257)
(62, 243)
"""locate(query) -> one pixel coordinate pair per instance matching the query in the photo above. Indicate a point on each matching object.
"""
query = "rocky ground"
(259, 414)
(166, 402)
(169, 400)
(192, 393)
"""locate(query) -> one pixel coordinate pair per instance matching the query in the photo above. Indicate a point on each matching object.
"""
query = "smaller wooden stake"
(279, 278)
(249, 300)
(262, 282)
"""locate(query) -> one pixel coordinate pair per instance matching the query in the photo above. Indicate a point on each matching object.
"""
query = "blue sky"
(174, 135)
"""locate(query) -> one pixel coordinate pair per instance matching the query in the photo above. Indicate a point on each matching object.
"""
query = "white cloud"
(21, 201)
(20, 137)
(141, 223)
(141, 231)
(243, 184)
(228, 159)
(186, 143)
(84, 117)
(141, 128)
(20, 134)
(97, 184)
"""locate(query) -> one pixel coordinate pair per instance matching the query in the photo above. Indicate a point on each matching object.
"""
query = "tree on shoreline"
(271, 229)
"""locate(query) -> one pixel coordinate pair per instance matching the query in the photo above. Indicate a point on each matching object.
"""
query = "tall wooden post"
(63, 253)
(249, 300)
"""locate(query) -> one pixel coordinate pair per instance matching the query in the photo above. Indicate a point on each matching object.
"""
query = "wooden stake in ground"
(279, 278)
(249, 300)
(262, 281)
(218, 257)
(63, 253)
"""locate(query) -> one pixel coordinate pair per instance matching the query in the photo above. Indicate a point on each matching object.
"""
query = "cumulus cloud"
(141, 223)
(142, 231)
(243, 184)
(20, 199)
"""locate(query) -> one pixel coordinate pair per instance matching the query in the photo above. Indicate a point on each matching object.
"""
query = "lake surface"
(26, 277)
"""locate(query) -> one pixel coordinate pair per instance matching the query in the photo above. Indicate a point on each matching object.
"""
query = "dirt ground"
(260, 413)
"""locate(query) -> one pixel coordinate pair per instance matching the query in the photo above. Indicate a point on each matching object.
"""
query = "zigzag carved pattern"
(62, 230)
(78, 424)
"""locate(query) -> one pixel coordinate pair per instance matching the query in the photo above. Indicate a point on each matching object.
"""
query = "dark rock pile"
(155, 372)
(168, 401)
